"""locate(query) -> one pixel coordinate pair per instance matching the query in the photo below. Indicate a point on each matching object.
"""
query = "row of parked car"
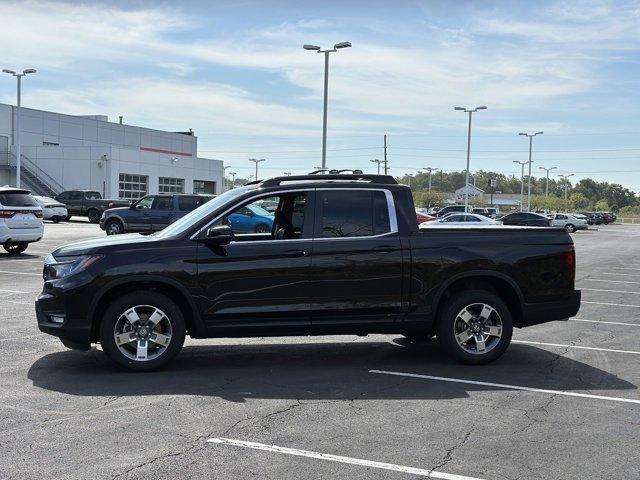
(455, 214)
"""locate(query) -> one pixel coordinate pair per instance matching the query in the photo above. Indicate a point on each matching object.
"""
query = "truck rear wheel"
(93, 215)
(475, 327)
(142, 331)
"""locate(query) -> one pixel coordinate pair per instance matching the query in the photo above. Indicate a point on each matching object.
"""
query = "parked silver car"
(569, 221)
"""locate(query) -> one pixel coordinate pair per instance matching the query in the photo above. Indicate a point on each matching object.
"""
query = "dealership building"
(64, 152)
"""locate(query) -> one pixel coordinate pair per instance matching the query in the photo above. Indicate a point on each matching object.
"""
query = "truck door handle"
(384, 248)
(295, 253)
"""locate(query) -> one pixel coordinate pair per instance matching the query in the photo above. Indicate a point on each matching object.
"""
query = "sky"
(236, 72)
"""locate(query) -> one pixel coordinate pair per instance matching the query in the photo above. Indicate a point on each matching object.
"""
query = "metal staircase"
(36, 179)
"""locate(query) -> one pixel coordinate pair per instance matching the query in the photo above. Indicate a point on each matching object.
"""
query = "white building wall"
(70, 149)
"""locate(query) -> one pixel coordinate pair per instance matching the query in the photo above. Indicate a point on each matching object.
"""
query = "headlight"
(56, 269)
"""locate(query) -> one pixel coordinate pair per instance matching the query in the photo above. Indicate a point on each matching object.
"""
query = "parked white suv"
(20, 219)
(569, 222)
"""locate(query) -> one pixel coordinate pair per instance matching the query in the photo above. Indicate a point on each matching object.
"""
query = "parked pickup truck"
(87, 203)
(344, 255)
(150, 213)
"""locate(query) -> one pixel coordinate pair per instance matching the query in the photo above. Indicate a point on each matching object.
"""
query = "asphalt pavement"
(561, 403)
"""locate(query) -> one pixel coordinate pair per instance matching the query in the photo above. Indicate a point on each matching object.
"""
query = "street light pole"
(257, 161)
(224, 175)
(546, 192)
(429, 169)
(288, 174)
(521, 182)
(470, 112)
(16, 139)
(233, 179)
(375, 160)
(530, 135)
(326, 90)
(566, 185)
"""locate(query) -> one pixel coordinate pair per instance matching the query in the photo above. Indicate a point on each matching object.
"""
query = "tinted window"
(17, 200)
(75, 196)
(353, 213)
(163, 203)
(469, 218)
(93, 196)
(186, 204)
(63, 196)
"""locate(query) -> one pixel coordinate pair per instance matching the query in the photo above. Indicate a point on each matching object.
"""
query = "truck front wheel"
(475, 327)
(142, 331)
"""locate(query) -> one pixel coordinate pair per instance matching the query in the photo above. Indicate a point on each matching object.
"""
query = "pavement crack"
(450, 451)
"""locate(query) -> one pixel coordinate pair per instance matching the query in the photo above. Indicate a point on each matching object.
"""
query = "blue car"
(251, 219)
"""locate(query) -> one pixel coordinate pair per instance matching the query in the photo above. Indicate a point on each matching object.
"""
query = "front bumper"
(75, 329)
(559, 307)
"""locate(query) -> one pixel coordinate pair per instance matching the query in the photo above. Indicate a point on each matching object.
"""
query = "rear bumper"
(20, 234)
(559, 307)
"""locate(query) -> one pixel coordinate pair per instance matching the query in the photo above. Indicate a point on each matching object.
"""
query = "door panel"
(259, 281)
(357, 260)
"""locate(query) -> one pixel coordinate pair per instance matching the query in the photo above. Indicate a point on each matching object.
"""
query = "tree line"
(586, 194)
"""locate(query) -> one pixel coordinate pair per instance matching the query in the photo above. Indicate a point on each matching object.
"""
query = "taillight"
(570, 264)
(38, 214)
(7, 213)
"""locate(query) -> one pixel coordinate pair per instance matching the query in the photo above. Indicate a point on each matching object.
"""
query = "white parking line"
(612, 304)
(611, 291)
(575, 346)
(625, 268)
(622, 274)
(27, 260)
(421, 472)
(604, 321)
(610, 281)
(19, 338)
(21, 273)
(511, 387)
(10, 291)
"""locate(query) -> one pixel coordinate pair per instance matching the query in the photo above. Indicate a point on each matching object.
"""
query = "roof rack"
(381, 179)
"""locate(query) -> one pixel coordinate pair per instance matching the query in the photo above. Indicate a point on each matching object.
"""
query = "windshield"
(202, 211)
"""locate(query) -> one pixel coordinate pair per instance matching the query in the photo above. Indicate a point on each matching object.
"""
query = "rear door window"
(163, 203)
(352, 213)
(186, 204)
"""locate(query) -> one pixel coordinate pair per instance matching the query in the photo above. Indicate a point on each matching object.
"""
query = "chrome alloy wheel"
(142, 333)
(477, 328)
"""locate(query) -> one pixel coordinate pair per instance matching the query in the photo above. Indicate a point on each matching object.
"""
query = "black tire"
(113, 226)
(448, 321)
(15, 248)
(93, 215)
(570, 228)
(262, 228)
(113, 317)
(55, 219)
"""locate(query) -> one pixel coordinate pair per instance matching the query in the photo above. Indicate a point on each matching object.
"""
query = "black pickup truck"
(87, 203)
(344, 256)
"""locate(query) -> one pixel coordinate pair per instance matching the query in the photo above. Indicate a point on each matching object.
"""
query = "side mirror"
(132, 206)
(218, 235)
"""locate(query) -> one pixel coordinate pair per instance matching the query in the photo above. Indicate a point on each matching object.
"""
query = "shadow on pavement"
(316, 371)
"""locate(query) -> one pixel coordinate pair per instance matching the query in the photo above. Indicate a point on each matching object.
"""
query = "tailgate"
(22, 217)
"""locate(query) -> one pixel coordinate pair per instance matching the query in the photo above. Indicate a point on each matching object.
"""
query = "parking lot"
(561, 403)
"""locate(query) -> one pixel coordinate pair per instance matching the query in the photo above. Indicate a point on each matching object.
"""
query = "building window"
(170, 185)
(133, 187)
(204, 186)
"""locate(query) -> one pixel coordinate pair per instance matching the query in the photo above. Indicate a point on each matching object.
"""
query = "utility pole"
(386, 165)
(470, 112)
(530, 135)
(233, 179)
(429, 169)
(546, 192)
(375, 160)
(16, 138)
(257, 161)
(326, 90)
(521, 183)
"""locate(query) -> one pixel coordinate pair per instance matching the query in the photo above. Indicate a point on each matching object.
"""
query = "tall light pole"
(233, 179)
(521, 182)
(257, 161)
(546, 191)
(16, 139)
(566, 184)
(224, 174)
(470, 111)
(530, 135)
(375, 160)
(326, 90)
(288, 174)
(429, 169)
